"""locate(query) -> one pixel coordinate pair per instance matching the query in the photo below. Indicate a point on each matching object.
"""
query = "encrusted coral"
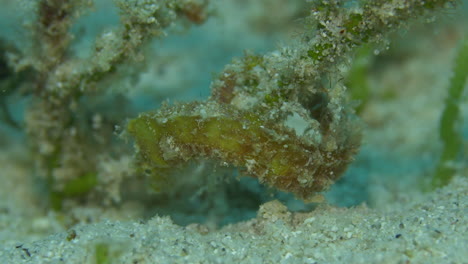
(70, 121)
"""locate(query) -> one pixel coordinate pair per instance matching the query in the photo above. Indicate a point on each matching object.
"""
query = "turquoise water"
(180, 67)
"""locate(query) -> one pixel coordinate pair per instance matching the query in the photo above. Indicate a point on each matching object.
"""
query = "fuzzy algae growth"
(271, 115)
(265, 150)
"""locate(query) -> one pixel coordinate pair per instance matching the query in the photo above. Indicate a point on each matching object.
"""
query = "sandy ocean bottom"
(429, 228)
